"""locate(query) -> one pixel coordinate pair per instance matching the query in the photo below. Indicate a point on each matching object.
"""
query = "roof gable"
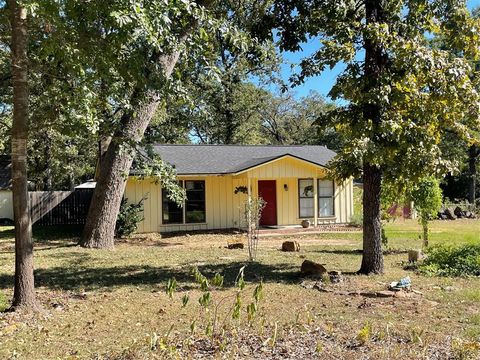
(255, 163)
(232, 159)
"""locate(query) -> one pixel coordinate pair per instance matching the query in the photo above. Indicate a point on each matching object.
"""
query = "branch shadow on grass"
(386, 252)
(45, 234)
(339, 251)
(74, 278)
(7, 233)
(57, 232)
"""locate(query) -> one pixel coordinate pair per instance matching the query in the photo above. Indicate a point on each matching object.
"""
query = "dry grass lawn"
(112, 304)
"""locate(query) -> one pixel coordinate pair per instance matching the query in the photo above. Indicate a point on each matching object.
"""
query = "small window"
(325, 198)
(195, 202)
(172, 213)
(306, 198)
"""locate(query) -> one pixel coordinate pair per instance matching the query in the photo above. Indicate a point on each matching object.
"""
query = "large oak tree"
(399, 93)
(141, 43)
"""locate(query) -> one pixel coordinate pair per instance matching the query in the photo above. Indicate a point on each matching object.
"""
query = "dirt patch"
(222, 240)
(277, 242)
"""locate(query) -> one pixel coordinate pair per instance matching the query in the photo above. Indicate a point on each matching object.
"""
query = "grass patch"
(113, 303)
(4, 302)
(457, 232)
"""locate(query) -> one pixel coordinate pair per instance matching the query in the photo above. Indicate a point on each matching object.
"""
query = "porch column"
(315, 202)
(249, 205)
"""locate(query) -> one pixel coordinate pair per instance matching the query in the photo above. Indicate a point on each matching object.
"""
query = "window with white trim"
(325, 198)
(306, 198)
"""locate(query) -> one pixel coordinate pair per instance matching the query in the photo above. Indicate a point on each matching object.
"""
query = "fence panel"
(60, 207)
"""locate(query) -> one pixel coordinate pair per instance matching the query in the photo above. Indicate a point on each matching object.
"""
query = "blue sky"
(322, 83)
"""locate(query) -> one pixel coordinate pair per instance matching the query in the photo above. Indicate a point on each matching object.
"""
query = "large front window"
(193, 209)
(306, 198)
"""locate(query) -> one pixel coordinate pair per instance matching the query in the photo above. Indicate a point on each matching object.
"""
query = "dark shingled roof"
(228, 159)
(5, 172)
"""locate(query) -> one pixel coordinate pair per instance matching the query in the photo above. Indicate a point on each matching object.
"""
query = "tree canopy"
(400, 93)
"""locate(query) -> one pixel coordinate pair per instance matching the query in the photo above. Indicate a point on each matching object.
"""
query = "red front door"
(267, 190)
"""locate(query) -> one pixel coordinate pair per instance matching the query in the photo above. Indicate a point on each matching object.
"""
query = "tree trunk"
(103, 144)
(473, 153)
(375, 63)
(372, 260)
(24, 291)
(425, 233)
(100, 225)
(99, 228)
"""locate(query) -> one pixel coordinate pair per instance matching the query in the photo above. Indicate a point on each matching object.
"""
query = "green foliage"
(252, 308)
(212, 304)
(392, 194)
(217, 280)
(171, 287)
(92, 64)
(185, 299)
(237, 307)
(452, 260)
(205, 299)
(287, 120)
(129, 216)
(365, 333)
(384, 238)
(427, 198)
(356, 220)
(150, 166)
(357, 200)
(415, 102)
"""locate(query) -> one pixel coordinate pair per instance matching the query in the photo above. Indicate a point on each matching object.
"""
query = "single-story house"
(6, 204)
(293, 181)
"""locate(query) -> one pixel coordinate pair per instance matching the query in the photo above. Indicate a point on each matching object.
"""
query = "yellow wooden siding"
(225, 209)
(286, 167)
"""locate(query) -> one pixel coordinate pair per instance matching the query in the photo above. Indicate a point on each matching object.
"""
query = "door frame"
(276, 199)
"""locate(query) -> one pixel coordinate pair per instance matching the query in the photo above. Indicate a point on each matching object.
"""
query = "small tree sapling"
(427, 200)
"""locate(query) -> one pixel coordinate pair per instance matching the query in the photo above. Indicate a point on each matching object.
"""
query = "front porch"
(269, 231)
(294, 191)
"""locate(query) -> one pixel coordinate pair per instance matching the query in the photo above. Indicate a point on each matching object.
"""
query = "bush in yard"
(452, 261)
(129, 216)
(356, 220)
